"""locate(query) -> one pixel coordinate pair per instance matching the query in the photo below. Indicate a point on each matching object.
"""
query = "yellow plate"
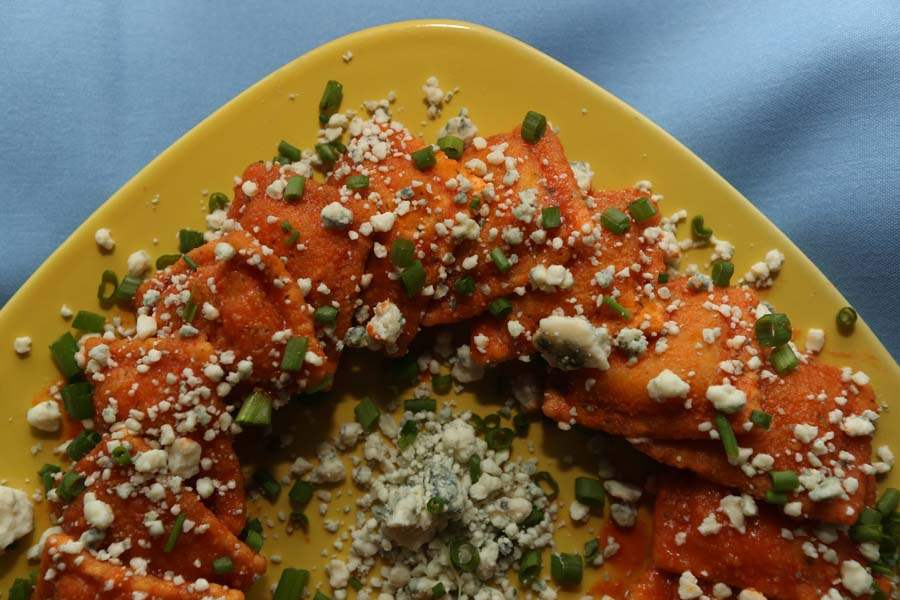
(499, 79)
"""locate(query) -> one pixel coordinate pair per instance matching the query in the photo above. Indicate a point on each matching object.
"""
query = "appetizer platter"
(425, 314)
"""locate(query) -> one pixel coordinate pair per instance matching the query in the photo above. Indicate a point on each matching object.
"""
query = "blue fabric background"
(796, 103)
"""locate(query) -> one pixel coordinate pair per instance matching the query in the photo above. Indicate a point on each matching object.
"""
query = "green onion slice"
(566, 569)
(550, 217)
(403, 252)
(357, 182)
(218, 201)
(408, 434)
(542, 478)
(500, 261)
(436, 505)
(413, 278)
(166, 260)
(474, 468)
(617, 308)
(291, 584)
(846, 320)
(887, 504)
(530, 567)
(441, 384)
(534, 125)
(367, 414)
(254, 539)
(423, 158)
(83, 443)
(188, 239)
(63, 351)
(773, 497)
(78, 400)
(722, 271)
(295, 187)
(175, 533)
(773, 330)
(222, 565)
(464, 285)
(641, 209)
(784, 481)
(589, 491)
(615, 221)
(332, 96)
(420, 404)
(88, 322)
(289, 151)
(127, 289)
(256, 410)
(47, 474)
(784, 360)
(499, 307)
(106, 291)
(121, 456)
(535, 517)
(761, 419)
(451, 146)
(327, 153)
(294, 354)
(325, 315)
(726, 434)
(698, 231)
(464, 556)
(300, 494)
(438, 591)
(499, 439)
(591, 549)
(267, 483)
(70, 487)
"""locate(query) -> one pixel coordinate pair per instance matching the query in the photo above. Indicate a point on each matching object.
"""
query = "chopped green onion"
(441, 384)
(256, 410)
(63, 351)
(846, 320)
(499, 439)
(121, 456)
(499, 307)
(408, 434)
(331, 99)
(291, 584)
(566, 569)
(218, 201)
(295, 187)
(663, 278)
(451, 146)
(591, 548)
(464, 285)
(188, 239)
(869, 516)
(189, 311)
(300, 495)
(761, 419)
(521, 424)
(500, 260)
(722, 272)
(83, 443)
(357, 182)
(726, 434)
(641, 210)
(464, 556)
(127, 289)
(89, 322)
(175, 533)
(420, 404)
(294, 354)
(698, 231)
(267, 484)
(47, 473)
(189, 262)
(108, 281)
(784, 481)
(293, 234)
(589, 491)
(254, 539)
(490, 422)
(530, 567)
(78, 400)
(550, 217)
(367, 414)
(325, 315)
(71, 485)
(423, 158)
(438, 591)
(533, 126)
(887, 504)
(535, 517)
(298, 518)
(222, 565)
(773, 497)
(413, 278)
(866, 532)
(166, 260)
(784, 360)
(327, 153)
(543, 477)
(403, 252)
(21, 589)
(436, 505)
(355, 583)
(289, 151)
(474, 468)
(772, 330)
(617, 308)
(320, 596)
(615, 221)
(475, 203)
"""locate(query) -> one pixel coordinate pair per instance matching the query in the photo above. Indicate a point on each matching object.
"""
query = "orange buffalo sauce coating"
(541, 167)
(768, 557)
(630, 562)
(620, 252)
(806, 396)
(77, 575)
(617, 400)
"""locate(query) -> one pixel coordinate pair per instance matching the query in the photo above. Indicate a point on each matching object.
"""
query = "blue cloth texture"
(795, 103)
